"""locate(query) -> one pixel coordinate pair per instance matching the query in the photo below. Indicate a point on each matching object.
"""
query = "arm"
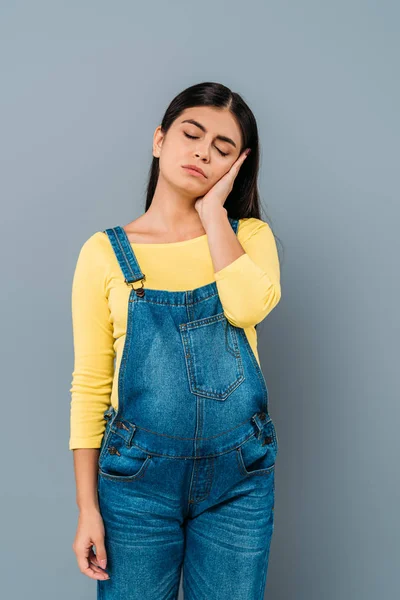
(247, 270)
(94, 354)
(90, 397)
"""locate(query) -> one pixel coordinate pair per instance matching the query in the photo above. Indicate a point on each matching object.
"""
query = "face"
(203, 136)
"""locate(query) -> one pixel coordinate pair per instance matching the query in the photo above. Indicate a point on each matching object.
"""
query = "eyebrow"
(223, 138)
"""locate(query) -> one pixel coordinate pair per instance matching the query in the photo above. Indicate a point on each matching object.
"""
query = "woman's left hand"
(219, 192)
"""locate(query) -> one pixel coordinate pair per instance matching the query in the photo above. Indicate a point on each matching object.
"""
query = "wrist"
(85, 509)
(213, 216)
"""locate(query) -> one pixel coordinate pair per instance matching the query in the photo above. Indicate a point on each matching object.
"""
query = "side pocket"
(121, 463)
(257, 455)
(117, 460)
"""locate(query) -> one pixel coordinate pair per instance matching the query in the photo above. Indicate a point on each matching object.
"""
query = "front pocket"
(257, 455)
(120, 462)
(212, 355)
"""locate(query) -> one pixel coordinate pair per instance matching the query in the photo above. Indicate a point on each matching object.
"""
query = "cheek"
(221, 171)
(168, 161)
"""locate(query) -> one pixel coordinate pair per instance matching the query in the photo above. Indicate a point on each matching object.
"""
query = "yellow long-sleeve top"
(249, 288)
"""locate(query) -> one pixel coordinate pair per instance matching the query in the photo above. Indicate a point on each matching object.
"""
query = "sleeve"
(93, 348)
(249, 287)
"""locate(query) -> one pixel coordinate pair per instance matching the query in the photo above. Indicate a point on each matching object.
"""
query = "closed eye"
(193, 137)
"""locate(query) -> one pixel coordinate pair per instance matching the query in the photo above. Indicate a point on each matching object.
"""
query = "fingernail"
(248, 151)
(103, 563)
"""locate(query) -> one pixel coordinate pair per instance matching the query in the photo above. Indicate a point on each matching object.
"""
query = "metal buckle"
(108, 413)
(138, 291)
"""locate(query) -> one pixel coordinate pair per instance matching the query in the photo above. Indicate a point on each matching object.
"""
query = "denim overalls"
(186, 466)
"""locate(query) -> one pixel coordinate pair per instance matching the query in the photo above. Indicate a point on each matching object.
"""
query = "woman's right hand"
(90, 532)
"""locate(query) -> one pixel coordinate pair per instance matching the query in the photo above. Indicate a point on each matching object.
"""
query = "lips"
(194, 168)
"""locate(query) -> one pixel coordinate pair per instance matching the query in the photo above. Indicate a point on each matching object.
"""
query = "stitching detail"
(123, 250)
(243, 469)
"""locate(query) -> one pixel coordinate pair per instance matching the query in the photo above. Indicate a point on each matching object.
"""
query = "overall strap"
(125, 256)
(234, 223)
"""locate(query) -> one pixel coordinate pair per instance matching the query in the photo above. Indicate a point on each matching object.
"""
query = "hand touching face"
(204, 137)
(216, 196)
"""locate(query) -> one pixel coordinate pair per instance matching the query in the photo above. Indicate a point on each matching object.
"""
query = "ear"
(158, 138)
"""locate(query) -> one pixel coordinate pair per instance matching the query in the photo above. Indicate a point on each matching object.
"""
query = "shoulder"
(95, 256)
(250, 226)
(95, 265)
(96, 248)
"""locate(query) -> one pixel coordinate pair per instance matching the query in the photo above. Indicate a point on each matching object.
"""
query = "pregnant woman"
(174, 446)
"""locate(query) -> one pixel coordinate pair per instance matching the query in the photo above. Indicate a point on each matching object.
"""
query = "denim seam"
(168, 303)
(137, 475)
(195, 499)
(124, 253)
(196, 323)
(185, 457)
(124, 357)
(193, 487)
(257, 367)
(243, 469)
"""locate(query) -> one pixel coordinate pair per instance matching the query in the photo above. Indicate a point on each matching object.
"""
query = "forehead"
(217, 121)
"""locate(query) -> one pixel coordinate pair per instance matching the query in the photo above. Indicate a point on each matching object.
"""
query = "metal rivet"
(267, 440)
(113, 450)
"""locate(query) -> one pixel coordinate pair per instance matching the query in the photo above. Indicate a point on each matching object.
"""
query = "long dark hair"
(244, 199)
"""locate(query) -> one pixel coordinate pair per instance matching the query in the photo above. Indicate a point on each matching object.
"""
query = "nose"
(203, 153)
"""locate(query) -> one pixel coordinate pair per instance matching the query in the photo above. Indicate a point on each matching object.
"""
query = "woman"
(174, 446)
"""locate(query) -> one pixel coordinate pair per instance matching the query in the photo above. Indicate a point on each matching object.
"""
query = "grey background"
(84, 85)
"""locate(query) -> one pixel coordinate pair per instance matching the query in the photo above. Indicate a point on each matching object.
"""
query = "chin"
(193, 183)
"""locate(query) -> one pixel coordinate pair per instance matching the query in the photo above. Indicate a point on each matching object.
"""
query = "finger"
(98, 565)
(239, 161)
(244, 155)
(234, 170)
(87, 568)
(101, 554)
(102, 574)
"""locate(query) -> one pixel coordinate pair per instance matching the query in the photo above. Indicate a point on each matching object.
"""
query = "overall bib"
(186, 476)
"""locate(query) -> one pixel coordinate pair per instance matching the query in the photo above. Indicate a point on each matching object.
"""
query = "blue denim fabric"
(186, 468)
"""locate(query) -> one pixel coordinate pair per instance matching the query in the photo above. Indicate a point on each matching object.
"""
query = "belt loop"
(259, 419)
(126, 430)
(108, 413)
(132, 433)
